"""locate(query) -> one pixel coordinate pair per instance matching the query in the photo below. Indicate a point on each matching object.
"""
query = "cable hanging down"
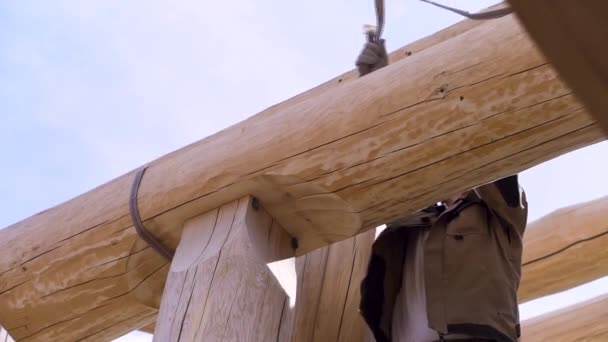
(379, 4)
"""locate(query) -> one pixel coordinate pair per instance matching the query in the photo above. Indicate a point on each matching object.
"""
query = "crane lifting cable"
(379, 19)
(374, 34)
(494, 14)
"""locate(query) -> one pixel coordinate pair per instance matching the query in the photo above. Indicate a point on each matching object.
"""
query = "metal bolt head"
(294, 243)
(255, 204)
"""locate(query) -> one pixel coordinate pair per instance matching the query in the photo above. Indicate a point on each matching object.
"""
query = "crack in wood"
(183, 320)
(528, 69)
(207, 297)
(80, 284)
(350, 278)
(93, 309)
(565, 248)
(468, 67)
(117, 323)
(234, 300)
(532, 106)
(60, 241)
(107, 222)
(25, 262)
(388, 154)
(281, 318)
(316, 311)
(15, 286)
(137, 285)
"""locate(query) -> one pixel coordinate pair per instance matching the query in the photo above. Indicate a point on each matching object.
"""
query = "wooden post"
(220, 284)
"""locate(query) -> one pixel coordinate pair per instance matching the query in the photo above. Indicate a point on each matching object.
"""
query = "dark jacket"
(472, 266)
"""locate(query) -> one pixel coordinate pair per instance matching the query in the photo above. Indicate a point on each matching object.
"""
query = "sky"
(90, 90)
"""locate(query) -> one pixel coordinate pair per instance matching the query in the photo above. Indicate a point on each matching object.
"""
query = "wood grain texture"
(587, 321)
(572, 34)
(564, 249)
(442, 120)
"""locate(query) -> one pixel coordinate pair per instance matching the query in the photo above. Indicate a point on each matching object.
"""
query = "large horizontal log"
(572, 34)
(587, 321)
(564, 249)
(478, 106)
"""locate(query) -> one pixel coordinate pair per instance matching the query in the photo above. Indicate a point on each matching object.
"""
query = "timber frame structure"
(272, 245)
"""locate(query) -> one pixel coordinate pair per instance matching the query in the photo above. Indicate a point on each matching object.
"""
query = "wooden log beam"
(564, 249)
(587, 321)
(572, 34)
(327, 166)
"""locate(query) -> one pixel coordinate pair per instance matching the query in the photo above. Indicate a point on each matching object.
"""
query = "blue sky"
(92, 89)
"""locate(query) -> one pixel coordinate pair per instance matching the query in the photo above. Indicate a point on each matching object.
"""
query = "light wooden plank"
(313, 277)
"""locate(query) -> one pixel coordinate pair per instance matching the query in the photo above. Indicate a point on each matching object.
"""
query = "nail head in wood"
(255, 203)
(294, 243)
